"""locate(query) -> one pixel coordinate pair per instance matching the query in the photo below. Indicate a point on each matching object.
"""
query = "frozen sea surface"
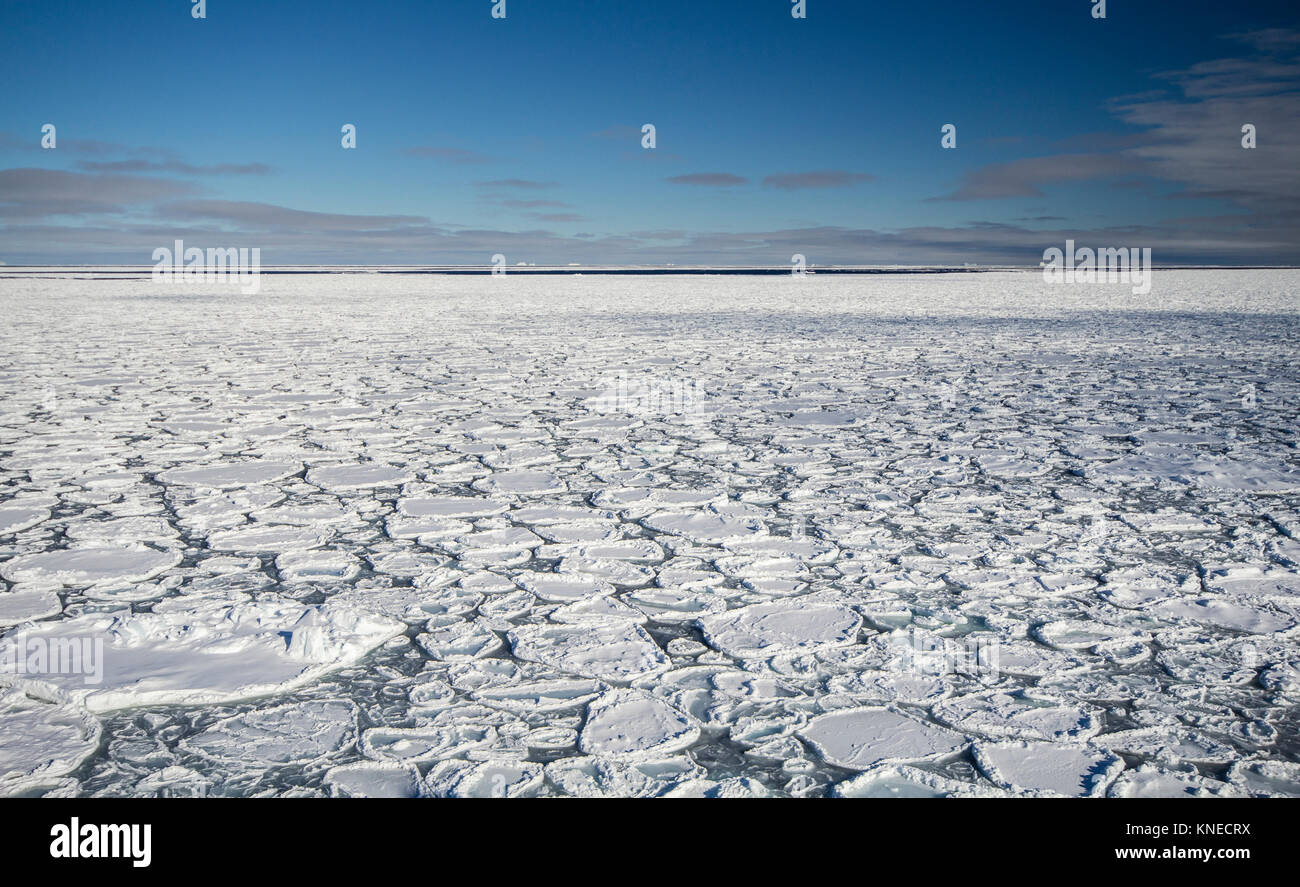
(934, 535)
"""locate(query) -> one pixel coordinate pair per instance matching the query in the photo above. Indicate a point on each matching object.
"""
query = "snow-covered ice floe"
(211, 652)
(919, 536)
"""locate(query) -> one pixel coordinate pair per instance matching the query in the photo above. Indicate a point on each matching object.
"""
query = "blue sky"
(775, 135)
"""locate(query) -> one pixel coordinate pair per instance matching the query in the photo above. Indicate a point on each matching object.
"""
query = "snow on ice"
(941, 535)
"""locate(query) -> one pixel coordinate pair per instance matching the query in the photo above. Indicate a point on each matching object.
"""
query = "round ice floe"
(774, 587)
(87, 566)
(540, 696)
(1123, 652)
(173, 782)
(43, 735)
(487, 582)
(409, 563)
(448, 601)
(612, 650)
(17, 607)
(578, 533)
(1281, 585)
(565, 515)
(1144, 468)
(269, 538)
(459, 641)
(483, 674)
(551, 739)
(431, 694)
(883, 687)
(373, 780)
(489, 779)
(640, 497)
(358, 477)
(1196, 665)
(427, 530)
(1101, 686)
(905, 581)
(1221, 473)
(231, 476)
(450, 507)
(408, 745)
(1267, 779)
(213, 512)
(745, 685)
(781, 627)
(634, 723)
(503, 608)
(212, 650)
(520, 483)
(1065, 583)
(494, 542)
(735, 787)
(1168, 521)
(127, 592)
(1012, 465)
(1150, 781)
(813, 552)
(784, 751)
(752, 567)
(592, 777)
(617, 572)
(1141, 587)
(685, 647)
(304, 515)
(859, 738)
(705, 528)
(619, 550)
(671, 606)
(597, 610)
(1048, 767)
(398, 602)
(687, 571)
(902, 781)
(1029, 659)
(887, 615)
(1283, 678)
(296, 733)
(317, 566)
(1176, 745)
(16, 519)
(121, 531)
(1225, 613)
(774, 725)
(1081, 634)
(1020, 714)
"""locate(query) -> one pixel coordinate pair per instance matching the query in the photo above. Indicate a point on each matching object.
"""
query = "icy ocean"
(886, 535)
